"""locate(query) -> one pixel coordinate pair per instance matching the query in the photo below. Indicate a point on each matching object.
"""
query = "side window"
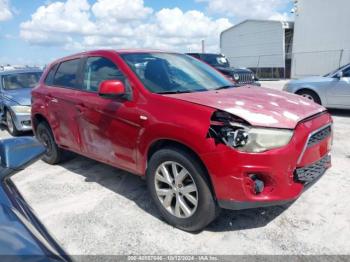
(346, 72)
(195, 56)
(50, 76)
(98, 69)
(66, 74)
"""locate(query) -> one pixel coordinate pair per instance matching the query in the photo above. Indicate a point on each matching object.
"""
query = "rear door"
(61, 97)
(108, 127)
(338, 93)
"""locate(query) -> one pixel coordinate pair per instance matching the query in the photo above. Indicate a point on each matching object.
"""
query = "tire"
(11, 127)
(54, 154)
(177, 209)
(311, 95)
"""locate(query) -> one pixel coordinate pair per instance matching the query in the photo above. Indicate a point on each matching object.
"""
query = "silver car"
(15, 98)
(331, 90)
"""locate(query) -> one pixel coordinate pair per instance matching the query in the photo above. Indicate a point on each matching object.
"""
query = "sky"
(35, 32)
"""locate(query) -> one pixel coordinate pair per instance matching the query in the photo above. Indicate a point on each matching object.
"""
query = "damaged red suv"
(201, 142)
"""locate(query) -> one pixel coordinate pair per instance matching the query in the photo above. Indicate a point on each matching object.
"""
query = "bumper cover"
(231, 171)
(321, 167)
(236, 205)
(22, 122)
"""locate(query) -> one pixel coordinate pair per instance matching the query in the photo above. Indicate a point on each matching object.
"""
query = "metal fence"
(293, 65)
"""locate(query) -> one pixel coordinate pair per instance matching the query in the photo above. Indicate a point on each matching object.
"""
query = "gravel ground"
(91, 208)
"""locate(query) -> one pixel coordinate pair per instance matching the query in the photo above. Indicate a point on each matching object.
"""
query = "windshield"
(215, 60)
(336, 70)
(174, 73)
(21, 80)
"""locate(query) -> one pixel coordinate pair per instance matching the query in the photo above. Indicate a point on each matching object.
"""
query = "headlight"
(21, 109)
(236, 133)
(285, 87)
(263, 139)
(236, 77)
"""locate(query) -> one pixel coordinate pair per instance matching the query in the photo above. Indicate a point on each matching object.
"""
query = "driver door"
(338, 94)
(108, 127)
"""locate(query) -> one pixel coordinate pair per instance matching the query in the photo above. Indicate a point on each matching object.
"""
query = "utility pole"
(203, 46)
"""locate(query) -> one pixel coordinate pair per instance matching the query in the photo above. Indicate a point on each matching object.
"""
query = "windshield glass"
(174, 73)
(215, 60)
(336, 70)
(21, 80)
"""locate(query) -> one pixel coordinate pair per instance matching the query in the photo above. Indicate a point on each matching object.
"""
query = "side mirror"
(111, 89)
(17, 153)
(339, 75)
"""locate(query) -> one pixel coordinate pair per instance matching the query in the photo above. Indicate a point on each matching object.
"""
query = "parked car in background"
(15, 98)
(22, 236)
(202, 142)
(240, 76)
(331, 90)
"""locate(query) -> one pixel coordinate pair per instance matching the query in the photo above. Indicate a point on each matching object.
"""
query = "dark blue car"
(22, 236)
(15, 98)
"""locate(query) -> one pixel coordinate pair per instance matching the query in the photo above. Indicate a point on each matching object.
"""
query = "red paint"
(259, 106)
(120, 132)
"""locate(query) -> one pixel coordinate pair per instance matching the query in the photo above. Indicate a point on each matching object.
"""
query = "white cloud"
(5, 11)
(75, 24)
(51, 23)
(249, 9)
(120, 10)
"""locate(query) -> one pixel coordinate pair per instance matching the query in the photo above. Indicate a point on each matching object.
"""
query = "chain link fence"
(294, 65)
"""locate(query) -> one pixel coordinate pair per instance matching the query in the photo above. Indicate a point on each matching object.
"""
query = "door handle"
(80, 108)
(50, 98)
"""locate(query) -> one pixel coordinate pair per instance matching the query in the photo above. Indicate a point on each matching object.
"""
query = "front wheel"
(308, 94)
(53, 154)
(11, 127)
(180, 190)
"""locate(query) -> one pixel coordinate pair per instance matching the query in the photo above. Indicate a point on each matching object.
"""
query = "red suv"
(202, 143)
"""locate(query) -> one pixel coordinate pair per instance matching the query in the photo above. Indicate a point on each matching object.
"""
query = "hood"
(258, 106)
(20, 96)
(313, 79)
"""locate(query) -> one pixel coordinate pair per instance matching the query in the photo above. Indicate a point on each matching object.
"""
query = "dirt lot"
(92, 208)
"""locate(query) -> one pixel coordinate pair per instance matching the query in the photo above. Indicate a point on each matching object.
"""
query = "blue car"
(15, 98)
(22, 236)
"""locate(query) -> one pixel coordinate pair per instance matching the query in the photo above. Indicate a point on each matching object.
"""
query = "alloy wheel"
(176, 189)
(9, 122)
(45, 140)
(308, 97)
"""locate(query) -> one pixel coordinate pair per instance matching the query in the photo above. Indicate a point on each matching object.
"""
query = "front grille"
(319, 136)
(310, 173)
(245, 78)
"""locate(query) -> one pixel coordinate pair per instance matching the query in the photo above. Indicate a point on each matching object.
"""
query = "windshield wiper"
(174, 92)
(224, 87)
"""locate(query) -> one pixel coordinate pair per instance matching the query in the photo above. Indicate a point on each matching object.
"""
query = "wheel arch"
(169, 143)
(310, 89)
(37, 119)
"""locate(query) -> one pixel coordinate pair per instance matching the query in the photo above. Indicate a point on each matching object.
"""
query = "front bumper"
(231, 170)
(22, 121)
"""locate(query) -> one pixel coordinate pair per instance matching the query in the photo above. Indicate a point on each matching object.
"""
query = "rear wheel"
(11, 127)
(53, 154)
(310, 95)
(180, 190)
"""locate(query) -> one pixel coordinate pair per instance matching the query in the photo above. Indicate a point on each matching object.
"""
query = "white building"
(261, 45)
(317, 43)
(321, 36)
